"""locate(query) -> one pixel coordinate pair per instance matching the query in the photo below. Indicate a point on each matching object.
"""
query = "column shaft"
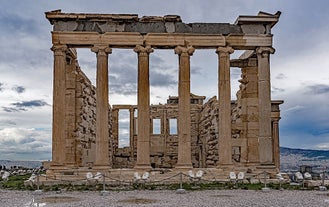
(184, 112)
(58, 131)
(102, 106)
(264, 105)
(131, 131)
(276, 144)
(143, 102)
(224, 90)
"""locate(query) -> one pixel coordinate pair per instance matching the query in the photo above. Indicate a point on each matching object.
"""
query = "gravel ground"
(227, 198)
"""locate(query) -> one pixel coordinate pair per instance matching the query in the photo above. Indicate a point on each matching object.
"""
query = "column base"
(183, 166)
(57, 167)
(102, 169)
(226, 167)
(142, 167)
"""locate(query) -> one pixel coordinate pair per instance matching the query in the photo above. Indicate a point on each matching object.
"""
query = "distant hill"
(292, 159)
(318, 154)
(26, 164)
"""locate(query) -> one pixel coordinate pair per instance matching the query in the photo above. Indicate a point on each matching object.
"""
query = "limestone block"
(170, 27)
(182, 28)
(215, 28)
(253, 154)
(65, 26)
(210, 163)
(253, 125)
(253, 29)
(265, 149)
(143, 28)
(252, 87)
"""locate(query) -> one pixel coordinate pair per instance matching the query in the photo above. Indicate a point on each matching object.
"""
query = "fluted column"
(264, 105)
(143, 102)
(131, 130)
(184, 112)
(276, 143)
(102, 106)
(58, 131)
(224, 96)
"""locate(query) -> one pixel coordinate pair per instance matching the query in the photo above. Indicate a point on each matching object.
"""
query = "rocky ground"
(227, 198)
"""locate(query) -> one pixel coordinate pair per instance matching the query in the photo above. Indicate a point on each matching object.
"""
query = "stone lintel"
(247, 54)
(261, 18)
(124, 106)
(277, 102)
(160, 40)
(242, 63)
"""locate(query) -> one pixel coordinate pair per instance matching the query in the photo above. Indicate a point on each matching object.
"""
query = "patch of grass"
(16, 182)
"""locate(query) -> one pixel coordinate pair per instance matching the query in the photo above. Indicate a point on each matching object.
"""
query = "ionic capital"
(185, 51)
(102, 50)
(265, 51)
(141, 50)
(59, 50)
(224, 51)
(276, 120)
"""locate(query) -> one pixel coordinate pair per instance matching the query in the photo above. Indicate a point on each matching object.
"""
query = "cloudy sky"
(299, 68)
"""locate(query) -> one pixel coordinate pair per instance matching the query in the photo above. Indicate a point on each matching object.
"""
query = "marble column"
(102, 107)
(276, 143)
(59, 126)
(131, 131)
(184, 103)
(224, 99)
(143, 107)
(115, 127)
(264, 105)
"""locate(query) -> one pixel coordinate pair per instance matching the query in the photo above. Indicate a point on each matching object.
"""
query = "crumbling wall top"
(102, 23)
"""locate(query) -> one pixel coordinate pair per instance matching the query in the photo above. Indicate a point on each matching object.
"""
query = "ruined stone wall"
(248, 121)
(208, 133)
(164, 146)
(86, 118)
(195, 140)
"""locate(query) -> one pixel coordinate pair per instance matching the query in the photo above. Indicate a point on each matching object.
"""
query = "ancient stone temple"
(220, 133)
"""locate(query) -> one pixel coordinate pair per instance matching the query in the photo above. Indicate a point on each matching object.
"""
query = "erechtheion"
(221, 134)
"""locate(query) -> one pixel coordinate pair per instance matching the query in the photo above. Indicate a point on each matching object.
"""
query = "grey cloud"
(7, 122)
(235, 73)
(281, 76)
(27, 140)
(123, 79)
(17, 23)
(24, 105)
(161, 80)
(125, 89)
(12, 109)
(196, 70)
(1, 87)
(19, 89)
(27, 104)
(275, 89)
(156, 60)
(317, 89)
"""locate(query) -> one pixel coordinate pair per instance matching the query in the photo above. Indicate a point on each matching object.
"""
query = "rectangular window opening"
(156, 126)
(124, 128)
(172, 126)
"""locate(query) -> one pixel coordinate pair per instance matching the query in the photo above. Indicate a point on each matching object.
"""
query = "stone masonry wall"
(208, 129)
(86, 118)
(85, 131)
